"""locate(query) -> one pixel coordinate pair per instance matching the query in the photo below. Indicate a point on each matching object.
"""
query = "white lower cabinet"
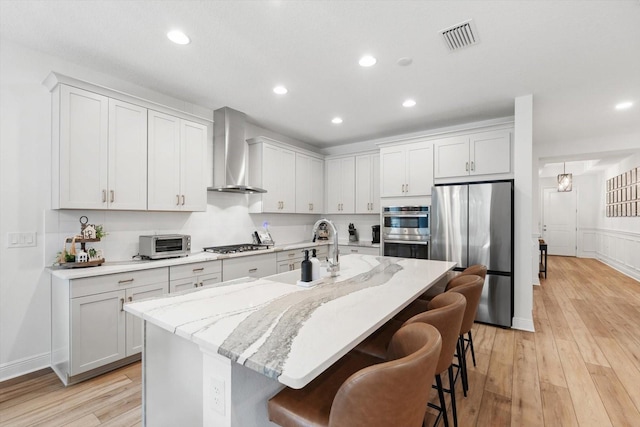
(197, 275)
(249, 266)
(90, 331)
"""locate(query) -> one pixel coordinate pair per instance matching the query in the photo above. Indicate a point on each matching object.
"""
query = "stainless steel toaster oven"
(161, 246)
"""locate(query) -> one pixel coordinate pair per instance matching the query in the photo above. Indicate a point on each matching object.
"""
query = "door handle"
(197, 270)
(473, 166)
(104, 196)
(177, 199)
(183, 200)
(130, 299)
(466, 166)
(120, 282)
(253, 270)
(113, 196)
(121, 304)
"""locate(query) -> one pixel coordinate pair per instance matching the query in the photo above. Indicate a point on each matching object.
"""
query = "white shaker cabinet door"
(419, 169)
(193, 174)
(97, 330)
(83, 137)
(490, 152)
(134, 338)
(127, 177)
(392, 160)
(164, 162)
(452, 157)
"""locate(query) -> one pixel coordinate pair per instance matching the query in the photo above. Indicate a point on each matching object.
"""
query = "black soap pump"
(306, 268)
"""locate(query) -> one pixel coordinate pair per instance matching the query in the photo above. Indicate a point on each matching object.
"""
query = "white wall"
(25, 141)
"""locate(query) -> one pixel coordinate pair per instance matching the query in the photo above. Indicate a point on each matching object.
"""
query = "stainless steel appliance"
(375, 234)
(473, 224)
(161, 246)
(406, 231)
(234, 249)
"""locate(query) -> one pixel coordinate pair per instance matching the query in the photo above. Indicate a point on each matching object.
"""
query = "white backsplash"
(362, 223)
(226, 221)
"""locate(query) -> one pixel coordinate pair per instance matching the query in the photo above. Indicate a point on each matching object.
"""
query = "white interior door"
(559, 226)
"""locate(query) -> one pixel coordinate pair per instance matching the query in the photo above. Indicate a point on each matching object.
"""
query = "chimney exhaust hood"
(230, 153)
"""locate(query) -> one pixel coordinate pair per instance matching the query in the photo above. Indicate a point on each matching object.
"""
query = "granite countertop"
(135, 265)
(292, 333)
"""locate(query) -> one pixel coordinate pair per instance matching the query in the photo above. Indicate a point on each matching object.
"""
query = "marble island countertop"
(135, 265)
(292, 333)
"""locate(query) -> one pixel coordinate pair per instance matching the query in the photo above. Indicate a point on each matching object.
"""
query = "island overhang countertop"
(288, 332)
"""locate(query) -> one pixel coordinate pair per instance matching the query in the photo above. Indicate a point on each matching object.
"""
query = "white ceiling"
(578, 59)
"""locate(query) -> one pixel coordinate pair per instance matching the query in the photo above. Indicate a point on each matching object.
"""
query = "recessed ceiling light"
(367, 61)
(280, 90)
(409, 103)
(405, 61)
(336, 120)
(624, 105)
(178, 37)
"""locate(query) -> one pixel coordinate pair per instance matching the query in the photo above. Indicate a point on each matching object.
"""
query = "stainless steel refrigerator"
(473, 224)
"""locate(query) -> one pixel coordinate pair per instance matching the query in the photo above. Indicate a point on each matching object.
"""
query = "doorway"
(559, 221)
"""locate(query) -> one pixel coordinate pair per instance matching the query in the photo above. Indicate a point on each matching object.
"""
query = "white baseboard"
(24, 366)
(633, 273)
(523, 324)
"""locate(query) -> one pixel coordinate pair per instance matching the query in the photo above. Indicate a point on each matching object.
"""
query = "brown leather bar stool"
(420, 304)
(445, 312)
(390, 393)
(475, 270)
(471, 287)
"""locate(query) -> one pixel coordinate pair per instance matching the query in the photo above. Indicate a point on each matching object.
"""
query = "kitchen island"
(214, 356)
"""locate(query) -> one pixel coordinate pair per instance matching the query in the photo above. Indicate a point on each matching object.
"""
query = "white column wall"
(523, 171)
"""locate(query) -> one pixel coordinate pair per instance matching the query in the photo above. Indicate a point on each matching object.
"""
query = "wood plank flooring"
(580, 368)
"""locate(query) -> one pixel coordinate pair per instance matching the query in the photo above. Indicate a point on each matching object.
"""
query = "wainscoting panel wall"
(620, 250)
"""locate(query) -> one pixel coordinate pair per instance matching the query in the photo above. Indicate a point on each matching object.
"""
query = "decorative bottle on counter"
(315, 266)
(306, 268)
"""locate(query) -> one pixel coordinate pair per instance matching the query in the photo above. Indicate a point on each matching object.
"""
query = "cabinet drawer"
(114, 282)
(362, 250)
(195, 269)
(290, 255)
(251, 266)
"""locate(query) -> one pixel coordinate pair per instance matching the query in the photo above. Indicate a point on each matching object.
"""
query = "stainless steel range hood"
(230, 153)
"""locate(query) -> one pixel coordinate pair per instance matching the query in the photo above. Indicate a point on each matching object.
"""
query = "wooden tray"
(82, 264)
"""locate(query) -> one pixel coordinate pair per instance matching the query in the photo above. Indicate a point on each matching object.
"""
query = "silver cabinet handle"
(177, 199)
(120, 282)
(197, 270)
(253, 270)
(121, 304)
(473, 166)
(291, 254)
(201, 284)
(354, 251)
(466, 166)
(406, 188)
(195, 285)
(130, 299)
(104, 196)
(112, 196)
(183, 198)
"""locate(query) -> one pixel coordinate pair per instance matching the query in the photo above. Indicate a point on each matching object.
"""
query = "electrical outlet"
(217, 395)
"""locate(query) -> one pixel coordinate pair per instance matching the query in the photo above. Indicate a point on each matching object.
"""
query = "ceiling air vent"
(460, 35)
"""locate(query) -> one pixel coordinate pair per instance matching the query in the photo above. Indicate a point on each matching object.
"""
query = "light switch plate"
(21, 240)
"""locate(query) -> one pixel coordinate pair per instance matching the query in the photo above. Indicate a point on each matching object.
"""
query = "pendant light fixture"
(564, 180)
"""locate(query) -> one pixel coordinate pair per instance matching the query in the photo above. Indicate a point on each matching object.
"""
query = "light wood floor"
(581, 367)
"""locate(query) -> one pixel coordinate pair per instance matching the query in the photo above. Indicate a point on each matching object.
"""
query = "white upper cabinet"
(102, 149)
(309, 184)
(177, 176)
(127, 177)
(367, 183)
(341, 185)
(407, 169)
(273, 168)
(482, 153)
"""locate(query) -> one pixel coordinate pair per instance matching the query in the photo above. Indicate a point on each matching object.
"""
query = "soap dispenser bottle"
(315, 266)
(306, 268)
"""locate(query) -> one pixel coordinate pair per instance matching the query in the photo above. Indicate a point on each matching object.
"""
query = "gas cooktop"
(234, 249)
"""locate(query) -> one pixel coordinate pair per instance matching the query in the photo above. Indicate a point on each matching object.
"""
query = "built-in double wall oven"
(406, 231)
